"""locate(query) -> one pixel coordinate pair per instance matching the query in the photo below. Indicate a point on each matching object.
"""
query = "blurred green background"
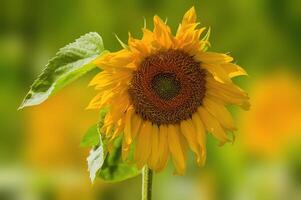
(40, 157)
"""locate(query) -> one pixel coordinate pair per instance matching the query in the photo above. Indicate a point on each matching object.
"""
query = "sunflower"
(165, 92)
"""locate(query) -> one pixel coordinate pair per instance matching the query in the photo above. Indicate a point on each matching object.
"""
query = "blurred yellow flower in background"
(274, 120)
(56, 127)
(165, 92)
(54, 131)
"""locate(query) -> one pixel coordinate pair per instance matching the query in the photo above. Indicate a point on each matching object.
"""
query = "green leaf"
(70, 62)
(114, 169)
(95, 160)
(108, 166)
(91, 138)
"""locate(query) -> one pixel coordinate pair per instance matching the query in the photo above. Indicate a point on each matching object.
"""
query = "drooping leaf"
(95, 160)
(70, 62)
(114, 169)
(108, 166)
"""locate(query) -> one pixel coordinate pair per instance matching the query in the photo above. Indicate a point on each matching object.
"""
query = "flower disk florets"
(167, 87)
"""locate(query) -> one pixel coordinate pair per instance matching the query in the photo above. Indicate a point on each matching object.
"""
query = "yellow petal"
(116, 60)
(107, 130)
(234, 70)
(228, 93)
(189, 17)
(163, 148)
(213, 58)
(147, 36)
(220, 113)
(101, 100)
(128, 126)
(183, 141)
(109, 78)
(217, 72)
(228, 99)
(201, 136)
(94, 103)
(176, 150)
(212, 125)
(190, 41)
(154, 157)
(205, 40)
(188, 35)
(227, 88)
(189, 132)
(138, 46)
(136, 123)
(162, 34)
(143, 145)
(125, 149)
(119, 127)
(108, 119)
(119, 106)
(188, 23)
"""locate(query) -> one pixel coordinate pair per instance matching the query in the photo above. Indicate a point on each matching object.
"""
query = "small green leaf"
(108, 166)
(95, 160)
(114, 169)
(91, 138)
(71, 62)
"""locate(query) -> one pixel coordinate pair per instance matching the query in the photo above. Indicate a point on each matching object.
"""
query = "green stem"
(147, 179)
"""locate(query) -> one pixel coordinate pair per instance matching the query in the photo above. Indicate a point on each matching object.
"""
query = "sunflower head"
(165, 93)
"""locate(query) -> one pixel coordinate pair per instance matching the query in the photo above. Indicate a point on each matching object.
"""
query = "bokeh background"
(40, 157)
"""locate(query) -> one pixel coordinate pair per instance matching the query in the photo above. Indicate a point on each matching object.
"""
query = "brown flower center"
(167, 87)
